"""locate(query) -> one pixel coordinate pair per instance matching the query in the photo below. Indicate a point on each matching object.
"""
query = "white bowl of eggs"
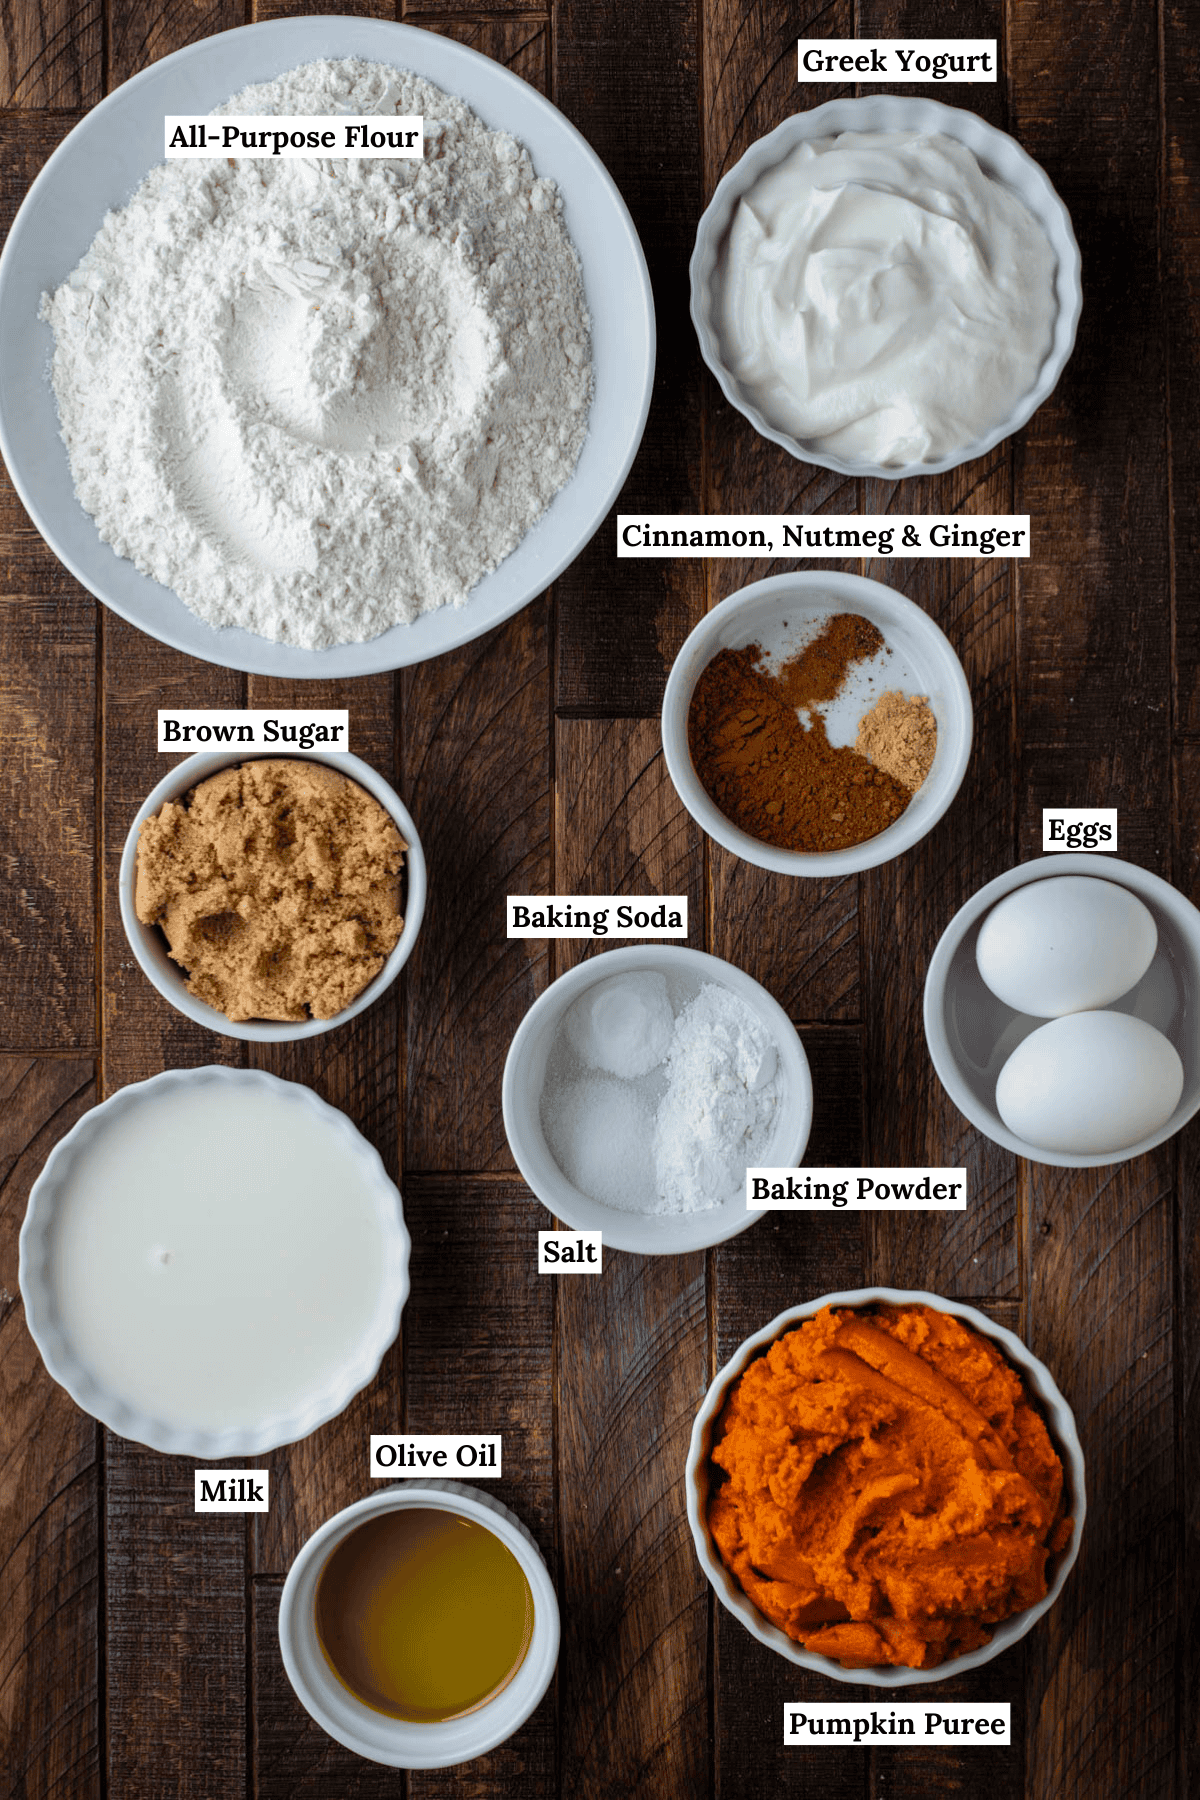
(1062, 1010)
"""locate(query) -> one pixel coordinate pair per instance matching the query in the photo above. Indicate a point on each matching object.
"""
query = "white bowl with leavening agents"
(525, 1081)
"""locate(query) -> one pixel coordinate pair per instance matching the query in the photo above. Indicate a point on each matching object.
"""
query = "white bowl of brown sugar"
(817, 723)
(271, 898)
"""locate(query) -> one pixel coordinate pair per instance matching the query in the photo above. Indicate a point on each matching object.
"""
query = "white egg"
(1089, 1083)
(1064, 945)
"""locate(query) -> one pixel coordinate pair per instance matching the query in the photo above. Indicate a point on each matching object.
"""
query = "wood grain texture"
(52, 54)
(476, 778)
(627, 78)
(47, 737)
(632, 1673)
(141, 33)
(620, 827)
(479, 1348)
(50, 1719)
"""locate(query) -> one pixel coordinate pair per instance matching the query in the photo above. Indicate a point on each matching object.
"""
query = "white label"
(232, 1490)
(408, 1458)
(832, 1724)
(776, 534)
(1079, 828)
(315, 134)
(570, 1252)
(597, 915)
(198, 728)
(856, 1190)
(897, 59)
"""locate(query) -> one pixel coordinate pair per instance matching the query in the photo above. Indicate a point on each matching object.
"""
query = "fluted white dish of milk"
(213, 1262)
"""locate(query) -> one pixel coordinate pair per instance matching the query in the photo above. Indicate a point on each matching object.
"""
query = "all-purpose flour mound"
(320, 397)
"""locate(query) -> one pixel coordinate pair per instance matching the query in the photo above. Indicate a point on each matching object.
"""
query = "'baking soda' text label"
(597, 915)
(406, 1458)
(856, 1190)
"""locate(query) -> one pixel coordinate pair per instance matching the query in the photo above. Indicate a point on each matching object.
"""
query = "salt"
(600, 1133)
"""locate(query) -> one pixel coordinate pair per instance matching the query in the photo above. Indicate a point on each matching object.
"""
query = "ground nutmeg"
(775, 779)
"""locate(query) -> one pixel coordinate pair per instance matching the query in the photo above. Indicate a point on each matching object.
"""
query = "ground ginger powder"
(884, 1491)
(277, 887)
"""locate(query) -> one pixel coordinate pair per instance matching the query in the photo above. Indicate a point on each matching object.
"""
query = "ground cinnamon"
(772, 777)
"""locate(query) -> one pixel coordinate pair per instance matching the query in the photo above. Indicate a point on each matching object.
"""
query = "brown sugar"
(772, 777)
(277, 887)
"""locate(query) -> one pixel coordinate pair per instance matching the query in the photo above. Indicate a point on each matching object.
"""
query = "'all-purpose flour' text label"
(1079, 828)
(193, 729)
(232, 1490)
(897, 59)
(187, 136)
(763, 534)
(404, 1458)
(833, 1724)
(570, 1252)
(856, 1190)
(597, 915)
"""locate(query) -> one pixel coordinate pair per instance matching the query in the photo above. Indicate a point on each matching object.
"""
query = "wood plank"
(52, 54)
(49, 1483)
(633, 1689)
(141, 33)
(295, 9)
(627, 77)
(476, 779)
(620, 827)
(47, 732)
(1187, 1316)
(1100, 1702)
(520, 39)
(1180, 249)
(479, 1349)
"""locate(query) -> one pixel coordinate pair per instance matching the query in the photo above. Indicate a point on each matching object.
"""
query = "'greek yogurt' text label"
(876, 534)
(597, 915)
(197, 728)
(408, 1458)
(897, 59)
(233, 1490)
(832, 1724)
(570, 1252)
(1079, 828)
(856, 1190)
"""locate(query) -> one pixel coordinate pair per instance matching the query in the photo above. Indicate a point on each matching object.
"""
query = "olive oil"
(423, 1614)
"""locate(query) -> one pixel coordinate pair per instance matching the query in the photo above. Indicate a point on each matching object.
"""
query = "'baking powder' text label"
(856, 1190)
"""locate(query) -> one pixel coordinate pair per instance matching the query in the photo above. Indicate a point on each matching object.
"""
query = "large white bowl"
(150, 946)
(971, 1033)
(101, 162)
(651, 1234)
(998, 155)
(1039, 1383)
(756, 614)
(399, 1742)
(51, 1333)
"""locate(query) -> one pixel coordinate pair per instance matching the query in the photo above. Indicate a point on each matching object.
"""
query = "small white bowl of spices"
(271, 898)
(817, 723)
(640, 1087)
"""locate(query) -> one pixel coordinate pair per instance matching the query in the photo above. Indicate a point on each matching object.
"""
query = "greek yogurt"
(882, 299)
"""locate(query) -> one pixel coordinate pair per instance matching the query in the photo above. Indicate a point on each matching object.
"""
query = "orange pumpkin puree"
(883, 1489)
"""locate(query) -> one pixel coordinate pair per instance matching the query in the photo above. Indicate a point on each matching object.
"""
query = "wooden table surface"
(138, 1652)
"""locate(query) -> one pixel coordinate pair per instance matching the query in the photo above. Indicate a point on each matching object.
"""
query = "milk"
(217, 1254)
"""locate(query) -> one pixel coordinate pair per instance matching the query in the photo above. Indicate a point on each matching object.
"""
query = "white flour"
(320, 397)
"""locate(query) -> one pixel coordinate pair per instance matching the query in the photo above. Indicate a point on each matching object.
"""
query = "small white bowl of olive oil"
(419, 1627)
